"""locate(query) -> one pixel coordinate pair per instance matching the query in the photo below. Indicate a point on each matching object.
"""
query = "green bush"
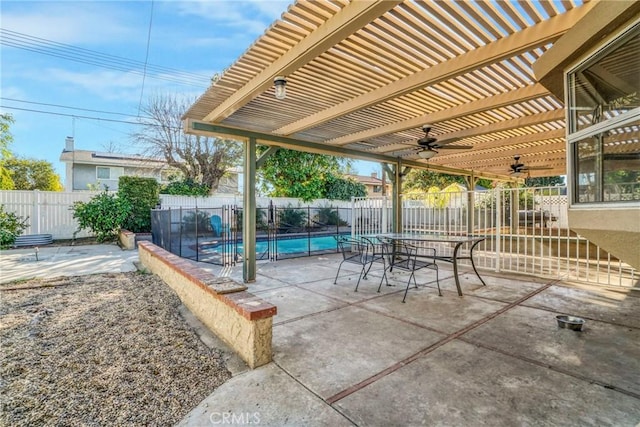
(329, 216)
(261, 220)
(185, 187)
(104, 215)
(11, 226)
(143, 194)
(292, 217)
(338, 188)
(202, 218)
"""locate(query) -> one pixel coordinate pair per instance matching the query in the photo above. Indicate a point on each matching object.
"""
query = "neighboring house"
(87, 170)
(372, 183)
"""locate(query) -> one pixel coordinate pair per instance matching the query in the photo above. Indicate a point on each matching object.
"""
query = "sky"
(84, 68)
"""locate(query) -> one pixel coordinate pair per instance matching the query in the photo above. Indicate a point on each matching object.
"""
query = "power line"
(146, 58)
(91, 57)
(74, 115)
(65, 106)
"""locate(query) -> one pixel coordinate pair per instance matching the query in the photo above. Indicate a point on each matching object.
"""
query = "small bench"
(239, 318)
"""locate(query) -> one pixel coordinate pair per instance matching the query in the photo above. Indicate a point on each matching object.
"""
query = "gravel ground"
(107, 349)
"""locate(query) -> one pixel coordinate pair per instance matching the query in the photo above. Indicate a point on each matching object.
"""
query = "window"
(604, 123)
(608, 165)
(108, 173)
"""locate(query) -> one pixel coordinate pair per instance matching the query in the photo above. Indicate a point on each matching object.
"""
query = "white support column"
(498, 225)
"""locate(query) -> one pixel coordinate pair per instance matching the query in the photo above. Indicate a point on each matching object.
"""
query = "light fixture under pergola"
(281, 87)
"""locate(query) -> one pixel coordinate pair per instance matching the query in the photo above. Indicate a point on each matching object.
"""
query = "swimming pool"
(296, 245)
(287, 246)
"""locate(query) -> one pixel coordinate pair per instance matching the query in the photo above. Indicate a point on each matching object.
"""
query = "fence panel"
(170, 201)
(49, 212)
(526, 230)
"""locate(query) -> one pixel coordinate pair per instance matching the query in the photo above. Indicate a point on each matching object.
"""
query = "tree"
(288, 173)
(339, 188)
(6, 138)
(200, 159)
(185, 188)
(422, 180)
(32, 174)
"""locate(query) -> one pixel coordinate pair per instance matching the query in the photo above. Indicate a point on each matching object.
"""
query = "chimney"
(68, 144)
(374, 174)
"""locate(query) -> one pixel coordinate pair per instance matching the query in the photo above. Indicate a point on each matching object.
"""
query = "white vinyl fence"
(526, 230)
(168, 201)
(50, 212)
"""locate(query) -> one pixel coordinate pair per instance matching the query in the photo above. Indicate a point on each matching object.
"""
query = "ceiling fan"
(517, 168)
(429, 144)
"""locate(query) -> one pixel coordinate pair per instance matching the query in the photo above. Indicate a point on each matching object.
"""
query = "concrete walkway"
(493, 357)
(54, 261)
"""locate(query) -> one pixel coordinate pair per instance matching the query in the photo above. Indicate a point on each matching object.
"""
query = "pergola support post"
(249, 213)
(396, 173)
(471, 201)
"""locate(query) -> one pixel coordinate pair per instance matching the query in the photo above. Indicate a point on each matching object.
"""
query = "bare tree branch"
(203, 160)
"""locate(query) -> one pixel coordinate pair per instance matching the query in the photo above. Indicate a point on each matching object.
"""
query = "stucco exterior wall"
(239, 318)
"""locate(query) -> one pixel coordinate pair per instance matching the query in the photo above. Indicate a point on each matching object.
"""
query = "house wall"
(85, 175)
(228, 184)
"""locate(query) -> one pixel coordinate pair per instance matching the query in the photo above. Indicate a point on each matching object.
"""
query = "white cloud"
(112, 85)
(108, 85)
(251, 17)
(73, 22)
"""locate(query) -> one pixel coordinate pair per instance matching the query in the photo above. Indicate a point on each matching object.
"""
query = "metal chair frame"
(404, 256)
(358, 251)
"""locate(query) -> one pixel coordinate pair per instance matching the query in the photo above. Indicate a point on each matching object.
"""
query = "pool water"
(297, 245)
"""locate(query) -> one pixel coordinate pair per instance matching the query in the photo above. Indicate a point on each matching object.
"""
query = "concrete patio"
(492, 357)
(495, 356)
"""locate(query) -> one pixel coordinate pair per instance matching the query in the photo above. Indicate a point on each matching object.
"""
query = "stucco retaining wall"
(238, 317)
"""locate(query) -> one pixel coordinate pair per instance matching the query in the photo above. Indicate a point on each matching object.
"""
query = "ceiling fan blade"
(453, 147)
(447, 141)
(537, 168)
(426, 141)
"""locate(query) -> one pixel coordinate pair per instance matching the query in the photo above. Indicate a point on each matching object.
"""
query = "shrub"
(185, 187)
(329, 216)
(11, 226)
(261, 219)
(143, 194)
(104, 215)
(201, 218)
(292, 217)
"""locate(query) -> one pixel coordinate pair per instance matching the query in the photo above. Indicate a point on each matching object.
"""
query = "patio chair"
(357, 251)
(404, 256)
(217, 226)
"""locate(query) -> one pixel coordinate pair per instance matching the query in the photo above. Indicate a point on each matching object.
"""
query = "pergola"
(363, 77)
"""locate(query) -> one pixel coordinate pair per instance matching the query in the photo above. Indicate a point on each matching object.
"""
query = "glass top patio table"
(459, 241)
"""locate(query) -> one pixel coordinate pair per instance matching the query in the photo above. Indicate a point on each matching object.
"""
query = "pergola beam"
(522, 41)
(500, 126)
(524, 94)
(210, 130)
(340, 26)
